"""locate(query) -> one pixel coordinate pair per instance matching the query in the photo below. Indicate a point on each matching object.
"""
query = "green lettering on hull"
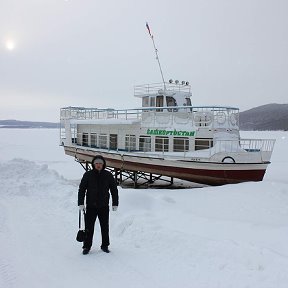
(170, 132)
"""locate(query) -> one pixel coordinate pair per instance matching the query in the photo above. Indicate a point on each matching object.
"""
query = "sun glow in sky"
(10, 45)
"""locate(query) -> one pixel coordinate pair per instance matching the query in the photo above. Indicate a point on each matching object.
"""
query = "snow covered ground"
(229, 236)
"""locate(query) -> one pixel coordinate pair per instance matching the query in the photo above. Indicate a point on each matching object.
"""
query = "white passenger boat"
(167, 137)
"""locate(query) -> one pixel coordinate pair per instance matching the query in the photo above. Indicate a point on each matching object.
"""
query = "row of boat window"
(161, 143)
(158, 101)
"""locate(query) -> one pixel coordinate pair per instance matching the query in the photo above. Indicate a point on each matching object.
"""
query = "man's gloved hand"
(114, 208)
(81, 207)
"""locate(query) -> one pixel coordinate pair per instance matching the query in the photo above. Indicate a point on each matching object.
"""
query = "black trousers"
(90, 218)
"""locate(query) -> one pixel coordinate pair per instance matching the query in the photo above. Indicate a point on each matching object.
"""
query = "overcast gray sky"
(88, 53)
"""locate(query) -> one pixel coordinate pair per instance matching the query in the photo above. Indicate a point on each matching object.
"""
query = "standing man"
(95, 185)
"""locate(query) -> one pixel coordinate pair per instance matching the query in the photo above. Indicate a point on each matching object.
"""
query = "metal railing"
(158, 89)
(255, 145)
(199, 112)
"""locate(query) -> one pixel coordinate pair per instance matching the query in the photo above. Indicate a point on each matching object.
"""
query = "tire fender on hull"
(228, 159)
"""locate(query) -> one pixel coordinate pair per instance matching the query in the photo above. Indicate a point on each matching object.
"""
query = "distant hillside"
(266, 117)
(27, 124)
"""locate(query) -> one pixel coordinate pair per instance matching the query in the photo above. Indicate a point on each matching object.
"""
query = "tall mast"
(156, 52)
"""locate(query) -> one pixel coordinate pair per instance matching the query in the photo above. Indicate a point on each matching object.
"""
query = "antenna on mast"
(156, 52)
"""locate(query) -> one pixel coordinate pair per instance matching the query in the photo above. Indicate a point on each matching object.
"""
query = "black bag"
(81, 234)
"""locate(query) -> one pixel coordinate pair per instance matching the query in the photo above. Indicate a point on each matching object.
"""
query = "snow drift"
(229, 236)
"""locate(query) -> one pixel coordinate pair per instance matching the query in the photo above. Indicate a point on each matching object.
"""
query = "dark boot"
(105, 249)
(85, 251)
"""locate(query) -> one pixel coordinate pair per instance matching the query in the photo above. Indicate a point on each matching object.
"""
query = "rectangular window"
(85, 139)
(93, 140)
(145, 143)
(171, 102)
(161, 144)
(79, 138)
(145, 101)
(159, 103)
(130, 142)
(74, 133)
(103, 141)
(180, 144)
(203, 143)
(113, 142)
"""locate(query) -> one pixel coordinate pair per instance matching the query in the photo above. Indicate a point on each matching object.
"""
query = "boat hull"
(209, 173)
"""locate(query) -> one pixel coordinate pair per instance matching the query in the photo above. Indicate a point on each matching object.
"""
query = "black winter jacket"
(95, 185)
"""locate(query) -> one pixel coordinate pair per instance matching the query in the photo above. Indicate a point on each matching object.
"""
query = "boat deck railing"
(255, 145)
(161, 89)
(249, 147)
(198, 115)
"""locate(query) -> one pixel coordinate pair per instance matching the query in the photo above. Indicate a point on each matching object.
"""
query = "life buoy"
(197, 117)
(233, 119)
(221, 117)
